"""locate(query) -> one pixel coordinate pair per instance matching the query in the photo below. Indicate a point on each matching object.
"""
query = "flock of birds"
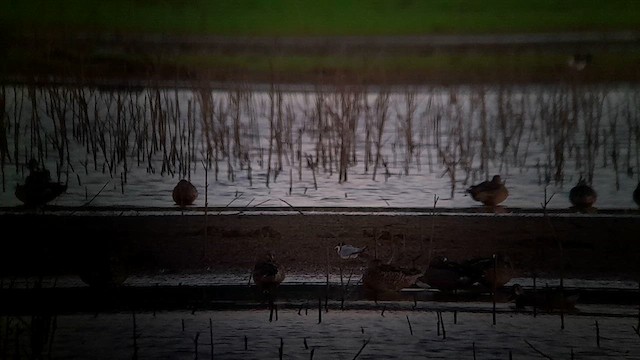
(38, 189)
(582, 196)
(476, 275)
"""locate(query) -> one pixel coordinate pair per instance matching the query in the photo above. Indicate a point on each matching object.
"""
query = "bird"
(491, 272)
(490, 193)
(268, 273)
(445, 275)
(384, 277)
(184, 193)
(106, 271)
(548, 299)
(38, 189)
(349, 251)
(582, 196)
(636, 195)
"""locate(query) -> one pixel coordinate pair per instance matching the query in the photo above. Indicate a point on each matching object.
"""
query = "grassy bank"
(66, 39)
(330, 17)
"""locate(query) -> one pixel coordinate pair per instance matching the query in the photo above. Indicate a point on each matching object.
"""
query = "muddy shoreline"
(579, 246)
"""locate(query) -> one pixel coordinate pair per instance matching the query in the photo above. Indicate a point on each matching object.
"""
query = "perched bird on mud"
(582, 196)
(349, 251)
(38, 189)
(184, 193)
(491, 272)
(383, 277)
(268, 273)
(636, 195)
(547, 299)
(490, 193)
(445, 275)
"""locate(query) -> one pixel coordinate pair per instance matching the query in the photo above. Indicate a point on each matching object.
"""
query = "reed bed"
(462, 133)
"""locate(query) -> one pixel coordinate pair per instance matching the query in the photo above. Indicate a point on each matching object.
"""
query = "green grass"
(319, 17)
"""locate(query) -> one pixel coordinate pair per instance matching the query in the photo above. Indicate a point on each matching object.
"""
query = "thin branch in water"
(362, 348)
(291, 206)
(538, 351)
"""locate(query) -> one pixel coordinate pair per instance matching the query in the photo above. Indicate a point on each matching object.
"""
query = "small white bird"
(349, 251)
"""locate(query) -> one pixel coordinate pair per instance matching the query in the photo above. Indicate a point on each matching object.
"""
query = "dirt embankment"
(581, 246)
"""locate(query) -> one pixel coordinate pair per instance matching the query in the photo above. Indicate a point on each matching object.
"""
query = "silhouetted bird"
(490, 193)
(445, 275)
(582, 196)
(184, 193)
(104, 271)
(38, 189)
(268, 273)
(495, 270)
(381, 277)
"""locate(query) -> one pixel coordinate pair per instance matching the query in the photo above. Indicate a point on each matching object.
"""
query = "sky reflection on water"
(531, 136)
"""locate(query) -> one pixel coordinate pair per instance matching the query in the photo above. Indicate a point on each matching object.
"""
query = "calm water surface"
(316, 147)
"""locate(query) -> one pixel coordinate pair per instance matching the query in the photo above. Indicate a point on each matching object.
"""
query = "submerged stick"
(473, 347)
(362, 348)
(195, 344)
(211, 336)
(410, 328)
(135, 337)
(493, 288)
(538, 351)
(444, 331)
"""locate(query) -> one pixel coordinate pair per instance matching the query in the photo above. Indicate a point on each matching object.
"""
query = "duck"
(489, 193)
(548, 299)
(582, 196)
(107, 271)
(184, 193)
(38, 189)
(489, 272)
(636, 195)
(267, 273)
(385, 277)
(445, 275)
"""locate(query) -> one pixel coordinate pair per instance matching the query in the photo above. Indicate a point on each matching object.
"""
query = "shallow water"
(527, 134)
(389, 334)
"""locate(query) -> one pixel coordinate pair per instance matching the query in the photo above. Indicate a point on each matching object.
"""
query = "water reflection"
(326, 147)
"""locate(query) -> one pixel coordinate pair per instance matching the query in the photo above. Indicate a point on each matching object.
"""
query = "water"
(130, 147)
(340, 335)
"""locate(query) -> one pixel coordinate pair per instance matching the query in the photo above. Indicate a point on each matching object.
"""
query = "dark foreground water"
(364, 334)
(203, 316)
